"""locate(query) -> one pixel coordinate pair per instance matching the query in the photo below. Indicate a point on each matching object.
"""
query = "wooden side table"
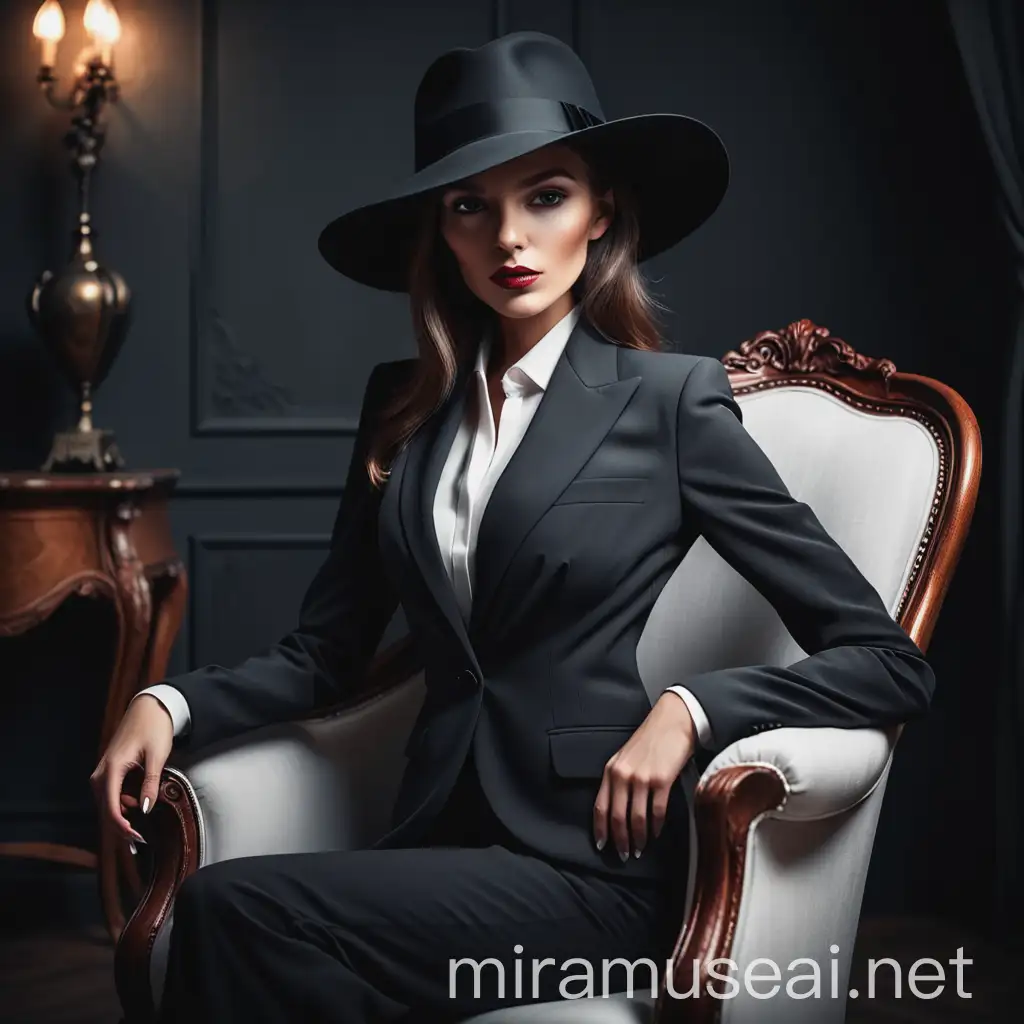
(104, 535)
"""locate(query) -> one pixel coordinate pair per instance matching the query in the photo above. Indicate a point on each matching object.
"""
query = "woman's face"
(537, 211)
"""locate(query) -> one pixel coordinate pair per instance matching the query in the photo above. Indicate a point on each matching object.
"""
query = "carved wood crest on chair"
(773, 776)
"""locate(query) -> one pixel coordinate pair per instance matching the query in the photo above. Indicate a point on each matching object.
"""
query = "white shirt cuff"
(700, 719)
(174, 701)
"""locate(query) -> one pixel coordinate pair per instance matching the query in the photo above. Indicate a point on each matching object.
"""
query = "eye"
(556, 196)
(456, 204)
(546, 197)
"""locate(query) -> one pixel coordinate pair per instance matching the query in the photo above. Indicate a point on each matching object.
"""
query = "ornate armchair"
(782, 823)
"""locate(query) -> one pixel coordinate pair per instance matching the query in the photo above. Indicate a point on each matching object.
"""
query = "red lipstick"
(515, 277)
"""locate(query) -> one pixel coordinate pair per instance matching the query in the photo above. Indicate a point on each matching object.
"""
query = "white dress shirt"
(477, 457)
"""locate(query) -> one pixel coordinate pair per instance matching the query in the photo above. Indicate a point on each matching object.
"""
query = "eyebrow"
(533, 179)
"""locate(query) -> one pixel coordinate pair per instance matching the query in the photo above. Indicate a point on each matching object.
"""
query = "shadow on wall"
(34, 402)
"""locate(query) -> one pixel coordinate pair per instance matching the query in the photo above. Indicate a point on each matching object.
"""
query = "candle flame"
(101, 22)
(49, 22)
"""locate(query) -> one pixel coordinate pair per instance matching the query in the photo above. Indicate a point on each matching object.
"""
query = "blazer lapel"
(583, 399)
(419, 466)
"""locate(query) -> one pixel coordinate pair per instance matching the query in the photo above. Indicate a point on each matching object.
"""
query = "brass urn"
(82, 315)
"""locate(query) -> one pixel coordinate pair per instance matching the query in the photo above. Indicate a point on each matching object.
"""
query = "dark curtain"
(990, 38)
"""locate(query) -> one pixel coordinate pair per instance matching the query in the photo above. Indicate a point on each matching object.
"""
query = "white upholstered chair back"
(874, 473)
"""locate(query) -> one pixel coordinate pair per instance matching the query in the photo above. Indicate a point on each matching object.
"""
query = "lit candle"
(48, 27)
(104, 27)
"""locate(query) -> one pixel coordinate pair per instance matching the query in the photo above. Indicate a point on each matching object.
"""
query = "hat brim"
(676, 167)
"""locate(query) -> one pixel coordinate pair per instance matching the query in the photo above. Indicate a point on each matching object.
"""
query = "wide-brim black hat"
(477, 108)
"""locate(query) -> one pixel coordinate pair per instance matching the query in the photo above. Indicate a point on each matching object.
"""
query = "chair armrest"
(783, 827)
(824, 771)
(327, 783)
(324, 783)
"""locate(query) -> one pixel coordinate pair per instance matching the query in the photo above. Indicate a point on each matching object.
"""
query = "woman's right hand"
(143, 739)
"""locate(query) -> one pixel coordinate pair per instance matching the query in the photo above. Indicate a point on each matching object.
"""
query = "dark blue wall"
(861, 198)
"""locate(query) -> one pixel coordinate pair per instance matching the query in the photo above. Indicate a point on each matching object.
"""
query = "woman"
(524, 488)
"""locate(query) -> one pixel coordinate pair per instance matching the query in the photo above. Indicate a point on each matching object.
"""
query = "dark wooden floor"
(58, 977)
(56, 973)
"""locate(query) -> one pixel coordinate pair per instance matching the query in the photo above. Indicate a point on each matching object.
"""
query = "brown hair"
(448, 318)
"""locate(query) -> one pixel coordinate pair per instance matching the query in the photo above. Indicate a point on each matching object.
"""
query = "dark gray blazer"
(631, 455)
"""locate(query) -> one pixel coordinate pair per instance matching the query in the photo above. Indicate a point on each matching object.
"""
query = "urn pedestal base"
(83, 451)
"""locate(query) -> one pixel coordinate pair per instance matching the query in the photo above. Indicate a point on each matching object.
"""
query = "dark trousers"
(361, 936)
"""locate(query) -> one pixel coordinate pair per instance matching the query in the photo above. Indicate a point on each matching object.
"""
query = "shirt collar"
(538, 363)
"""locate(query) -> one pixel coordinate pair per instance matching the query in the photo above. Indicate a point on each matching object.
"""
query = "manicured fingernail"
(139, 838)
(600, 844)
(145, 806)
(637, 852)
(624, 856)
(131, 846)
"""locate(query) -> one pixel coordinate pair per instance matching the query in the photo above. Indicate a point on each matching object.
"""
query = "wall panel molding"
(196, 487)
(230, 392)
(204, 549)
(499, 18)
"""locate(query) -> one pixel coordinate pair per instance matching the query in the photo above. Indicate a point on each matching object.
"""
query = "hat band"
(499, 117)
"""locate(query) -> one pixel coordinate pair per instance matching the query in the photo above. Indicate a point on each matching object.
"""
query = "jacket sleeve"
(343, 615)
(862, 668)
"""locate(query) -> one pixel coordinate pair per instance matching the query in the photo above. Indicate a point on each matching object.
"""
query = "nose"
(511, 235)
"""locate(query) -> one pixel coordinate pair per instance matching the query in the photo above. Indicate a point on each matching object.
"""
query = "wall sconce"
(82, 313)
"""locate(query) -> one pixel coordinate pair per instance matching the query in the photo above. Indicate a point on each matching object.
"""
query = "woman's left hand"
(644, 770)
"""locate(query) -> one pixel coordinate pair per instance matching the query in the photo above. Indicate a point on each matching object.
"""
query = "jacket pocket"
(582, 751)
(630, 489)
